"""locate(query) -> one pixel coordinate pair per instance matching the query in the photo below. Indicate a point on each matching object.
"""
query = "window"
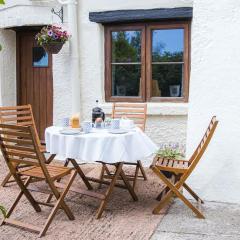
(147, 62)
(40, 57)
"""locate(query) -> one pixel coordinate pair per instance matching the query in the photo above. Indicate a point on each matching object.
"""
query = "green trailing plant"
(171, 151)
(1, 2)
(3, 210)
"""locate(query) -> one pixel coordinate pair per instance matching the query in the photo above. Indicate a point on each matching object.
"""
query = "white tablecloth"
(100, 145)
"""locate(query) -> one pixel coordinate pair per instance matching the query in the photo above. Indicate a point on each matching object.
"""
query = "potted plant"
(170, 151)
(52, 38)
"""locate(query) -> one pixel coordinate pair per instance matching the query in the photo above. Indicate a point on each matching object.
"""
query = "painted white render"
(8, 68)
(166, 122)
(214, 90)
(214, 81)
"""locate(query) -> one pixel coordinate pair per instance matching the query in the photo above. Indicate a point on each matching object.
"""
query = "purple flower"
(55, 36)
(50, 33)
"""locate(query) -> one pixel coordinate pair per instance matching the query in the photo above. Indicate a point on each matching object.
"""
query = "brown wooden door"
(34, 80)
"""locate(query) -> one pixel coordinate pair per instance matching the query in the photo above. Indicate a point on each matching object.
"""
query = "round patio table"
(101, 146)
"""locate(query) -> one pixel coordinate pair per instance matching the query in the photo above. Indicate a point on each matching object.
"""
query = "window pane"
(167, 80)
(40, 57)
(126, 79)
(167, 45)
(126, 46)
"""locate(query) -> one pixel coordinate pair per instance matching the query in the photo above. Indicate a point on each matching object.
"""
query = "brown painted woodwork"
(37, 171)
(146, 78)
(34, 84)
(181, 170)
(154, 26)
(108, 66)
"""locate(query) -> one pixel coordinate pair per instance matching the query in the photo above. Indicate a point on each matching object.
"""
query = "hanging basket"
(53, 48)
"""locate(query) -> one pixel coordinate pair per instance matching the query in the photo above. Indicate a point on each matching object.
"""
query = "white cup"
(115, 123)
(87, 126)
(65, 122)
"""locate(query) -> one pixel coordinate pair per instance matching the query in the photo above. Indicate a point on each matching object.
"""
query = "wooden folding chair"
(136, 112)
(181, 169)
(20, 116)
(19, 145)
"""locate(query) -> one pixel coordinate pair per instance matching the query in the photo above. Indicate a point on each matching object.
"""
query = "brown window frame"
(146, 59)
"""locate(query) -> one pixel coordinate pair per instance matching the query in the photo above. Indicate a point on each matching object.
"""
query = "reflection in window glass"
(126, 80)
(167, 80)
(167, 45)
(126, 63)
(40, 57)
(167, 62)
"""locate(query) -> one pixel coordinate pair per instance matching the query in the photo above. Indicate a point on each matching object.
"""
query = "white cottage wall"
(13, 14)
(214, 90)
(8, 68)
(166, 122)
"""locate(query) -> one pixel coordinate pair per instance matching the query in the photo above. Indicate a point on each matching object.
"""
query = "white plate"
(118, 131)
(70, 131)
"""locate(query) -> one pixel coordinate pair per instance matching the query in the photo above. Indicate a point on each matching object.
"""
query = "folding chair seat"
(19, 146)
(55, 172)
(20, 116)
(181, 170)
(136, 112)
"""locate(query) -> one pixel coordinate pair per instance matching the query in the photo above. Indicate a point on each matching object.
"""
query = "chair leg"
(22, 192)
(11, 209)
(162, 193)
(165, 200)
(195, 196)
(174, 189)
(50, 159)
(109, 190)
(60, 203)
(27, 194)
(6, 179)
(142, 170)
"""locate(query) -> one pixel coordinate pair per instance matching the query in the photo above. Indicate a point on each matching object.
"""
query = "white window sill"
(162, 109)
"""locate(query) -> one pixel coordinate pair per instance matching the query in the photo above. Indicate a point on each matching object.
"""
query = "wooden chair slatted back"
(202, 146)
(19, 116)
(134, 111)
(19, 146)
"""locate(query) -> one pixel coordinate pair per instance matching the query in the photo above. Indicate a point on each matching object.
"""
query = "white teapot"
(126, 123)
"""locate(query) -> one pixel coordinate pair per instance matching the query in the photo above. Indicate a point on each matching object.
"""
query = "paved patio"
(221, 223)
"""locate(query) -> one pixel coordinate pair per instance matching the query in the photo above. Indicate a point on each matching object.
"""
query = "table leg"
(81, 174)
(109, 190)
(118, 173)
(128, 185)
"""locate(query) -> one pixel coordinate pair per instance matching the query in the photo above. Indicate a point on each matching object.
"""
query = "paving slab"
(180, 236)
(222, 222)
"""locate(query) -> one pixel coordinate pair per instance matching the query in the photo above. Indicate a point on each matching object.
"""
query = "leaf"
(2, 2)
(3, 210)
